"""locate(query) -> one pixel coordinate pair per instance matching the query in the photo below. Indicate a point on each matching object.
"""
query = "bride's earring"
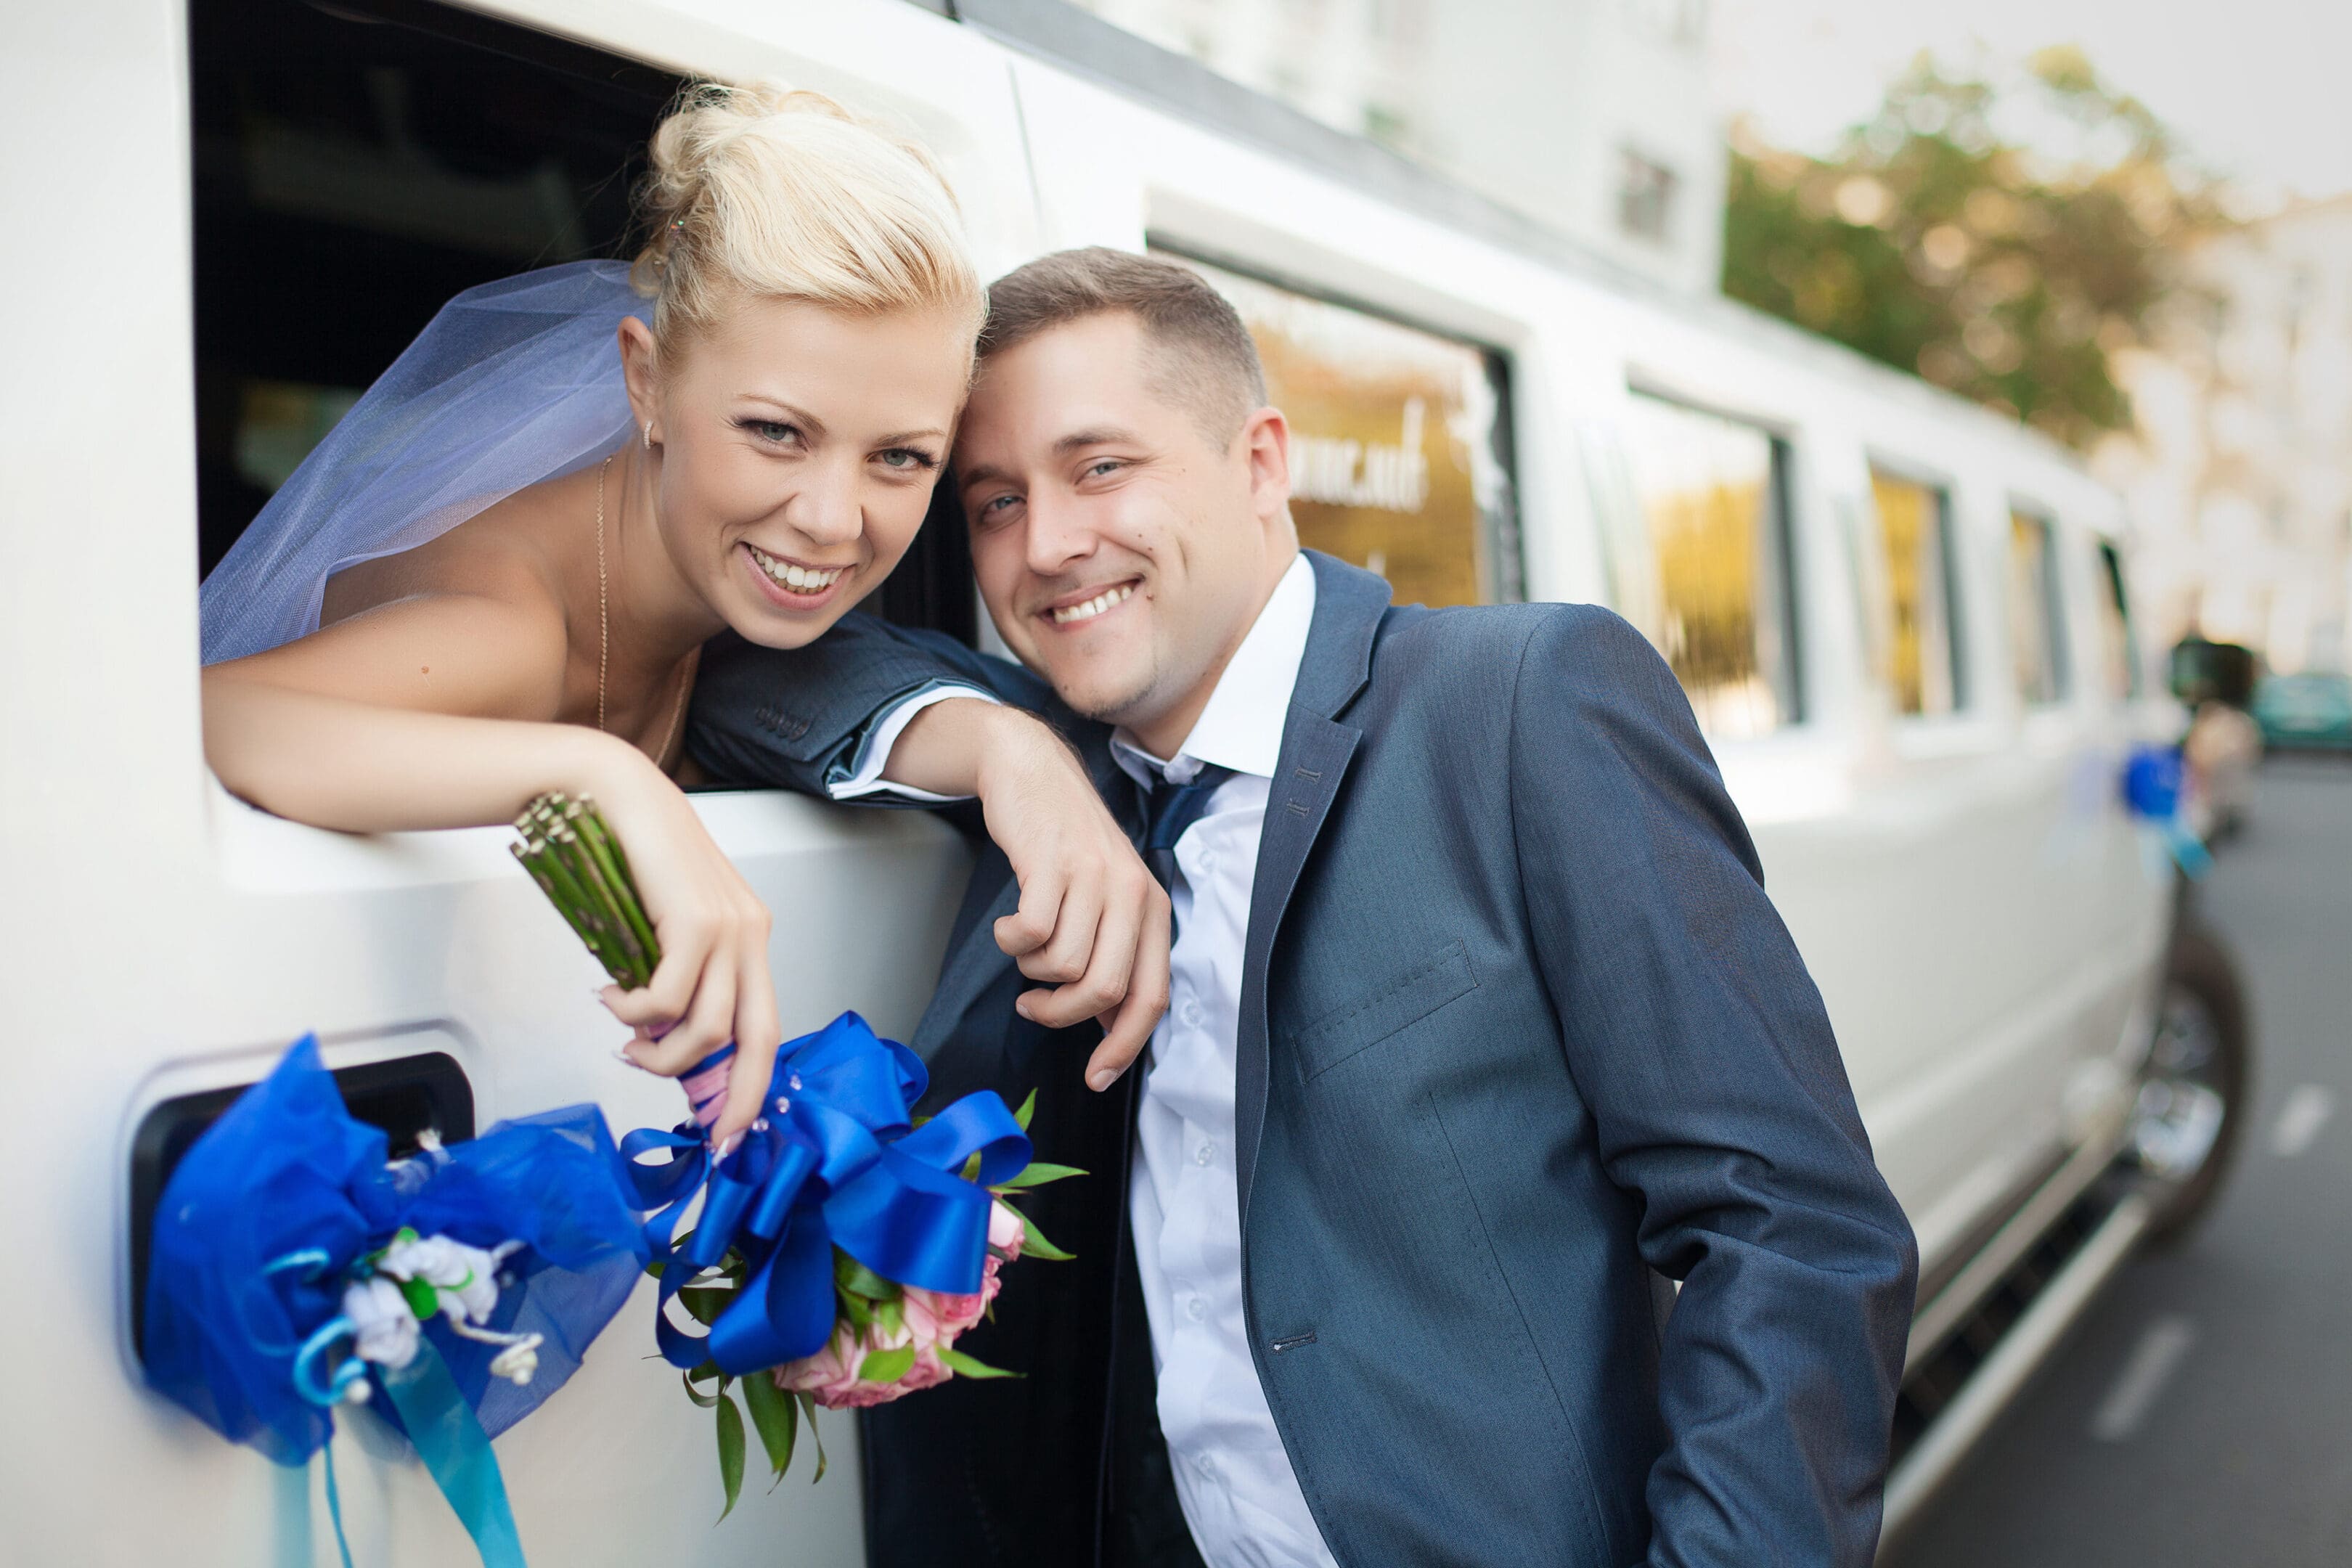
(649, 435)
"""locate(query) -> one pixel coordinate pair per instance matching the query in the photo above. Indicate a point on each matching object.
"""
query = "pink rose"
(831, 1376)
(935, 1318)
(1005, 1232)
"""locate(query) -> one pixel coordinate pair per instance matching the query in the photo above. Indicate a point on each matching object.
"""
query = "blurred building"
(2240, 472)
(1592, 116)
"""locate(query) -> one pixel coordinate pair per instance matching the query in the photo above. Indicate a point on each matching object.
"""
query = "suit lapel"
(1316, 751)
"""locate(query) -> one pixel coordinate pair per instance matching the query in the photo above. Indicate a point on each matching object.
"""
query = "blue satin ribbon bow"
(836, 1162)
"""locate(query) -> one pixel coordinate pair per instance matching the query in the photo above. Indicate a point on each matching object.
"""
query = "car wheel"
(2194, 1091)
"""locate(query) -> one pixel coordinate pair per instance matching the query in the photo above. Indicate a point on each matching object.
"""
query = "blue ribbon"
(456, 1451)
(836, 1162)
(2152, 780)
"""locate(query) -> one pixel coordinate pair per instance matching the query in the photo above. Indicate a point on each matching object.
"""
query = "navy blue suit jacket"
(1518, 1027)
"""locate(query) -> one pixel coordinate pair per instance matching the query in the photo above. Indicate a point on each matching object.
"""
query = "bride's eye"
(907, 461)
(775, 432)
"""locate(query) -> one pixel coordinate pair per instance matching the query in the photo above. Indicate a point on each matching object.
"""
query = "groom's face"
(1123, 549)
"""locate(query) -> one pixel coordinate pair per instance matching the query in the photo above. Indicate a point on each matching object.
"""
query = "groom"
(1480, 1022)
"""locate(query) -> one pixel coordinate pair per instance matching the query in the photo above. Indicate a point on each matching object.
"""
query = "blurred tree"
(2006, 273)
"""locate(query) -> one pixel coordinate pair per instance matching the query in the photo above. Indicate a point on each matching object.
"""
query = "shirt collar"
(1241, 728)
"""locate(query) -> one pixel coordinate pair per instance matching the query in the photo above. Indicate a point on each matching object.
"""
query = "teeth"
(800, 580)
(1094, 606)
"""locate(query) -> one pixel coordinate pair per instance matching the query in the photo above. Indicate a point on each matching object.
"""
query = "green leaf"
(1028, 1107)
(892, 1316)
(962, 1365)
(859, 1312)
(731, 1453)
(703, 1401)
(808, 1417)
(774, 1417)
(1037, 1245)
(1037, 1174)
(859, 1280)
(887, 1366)
(705, 1303)
(422, 1300)
(970, 1172)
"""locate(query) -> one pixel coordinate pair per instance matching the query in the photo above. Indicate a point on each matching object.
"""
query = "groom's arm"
(1699, 1041)
(821, 718)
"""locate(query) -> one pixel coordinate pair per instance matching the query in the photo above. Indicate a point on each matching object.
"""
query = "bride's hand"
(1093, 924)
(712, 984)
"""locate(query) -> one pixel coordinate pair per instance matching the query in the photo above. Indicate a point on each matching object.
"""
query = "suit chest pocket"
(1391, 1006)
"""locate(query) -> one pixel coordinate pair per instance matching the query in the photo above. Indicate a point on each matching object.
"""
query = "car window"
(1713, 491)
(1915, 527)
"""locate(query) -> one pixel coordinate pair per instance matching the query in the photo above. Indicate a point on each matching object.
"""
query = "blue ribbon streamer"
(836, 1162)
(2152, 782)
(456, 1451)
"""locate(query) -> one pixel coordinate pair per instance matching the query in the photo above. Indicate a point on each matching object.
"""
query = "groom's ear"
(639, 370)
(1266, 447)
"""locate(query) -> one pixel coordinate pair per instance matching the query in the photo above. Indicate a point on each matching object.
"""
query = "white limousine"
(1903, 622)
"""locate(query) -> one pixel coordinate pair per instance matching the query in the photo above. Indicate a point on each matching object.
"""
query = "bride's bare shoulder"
(504, 554)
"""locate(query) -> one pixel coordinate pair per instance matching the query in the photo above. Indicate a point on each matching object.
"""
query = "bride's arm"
(436, 712)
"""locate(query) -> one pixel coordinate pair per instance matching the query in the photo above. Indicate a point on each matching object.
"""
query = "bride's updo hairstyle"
(762, 191)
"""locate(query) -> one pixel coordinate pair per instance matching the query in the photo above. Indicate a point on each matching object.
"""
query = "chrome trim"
(2021, 1352)
(1956, 1302)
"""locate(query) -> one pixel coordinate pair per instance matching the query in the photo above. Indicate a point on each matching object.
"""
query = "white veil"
(511, 383)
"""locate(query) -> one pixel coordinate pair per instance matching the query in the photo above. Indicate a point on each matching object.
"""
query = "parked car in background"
(2311, 712)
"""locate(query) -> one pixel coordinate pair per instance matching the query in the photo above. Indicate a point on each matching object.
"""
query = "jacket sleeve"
(798, 717)
(1700, 1042)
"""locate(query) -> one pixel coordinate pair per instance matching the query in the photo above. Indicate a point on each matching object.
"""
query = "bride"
(495, 577)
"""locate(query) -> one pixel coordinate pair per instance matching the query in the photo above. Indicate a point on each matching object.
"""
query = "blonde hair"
(768, 191)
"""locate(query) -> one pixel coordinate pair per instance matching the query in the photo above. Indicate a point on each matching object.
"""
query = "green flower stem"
(576, 903)
(607, 850)
(590, 876)
(532, 854)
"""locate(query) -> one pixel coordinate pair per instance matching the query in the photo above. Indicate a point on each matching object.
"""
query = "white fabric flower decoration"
(384, 1328)
(466, 1276)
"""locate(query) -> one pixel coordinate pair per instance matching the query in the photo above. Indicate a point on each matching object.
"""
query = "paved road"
(2201, 1414)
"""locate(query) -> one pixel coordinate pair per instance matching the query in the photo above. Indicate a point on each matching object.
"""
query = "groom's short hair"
(1205, 360)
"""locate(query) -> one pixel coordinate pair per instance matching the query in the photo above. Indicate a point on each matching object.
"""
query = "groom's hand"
(1093, 923)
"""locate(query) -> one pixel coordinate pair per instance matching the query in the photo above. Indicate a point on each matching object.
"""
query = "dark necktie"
(1169, 808)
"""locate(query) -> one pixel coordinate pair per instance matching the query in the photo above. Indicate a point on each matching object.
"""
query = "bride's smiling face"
(796, 451)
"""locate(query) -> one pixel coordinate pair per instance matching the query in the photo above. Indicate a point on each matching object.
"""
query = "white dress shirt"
(1239, 1494)
(1241, 1499)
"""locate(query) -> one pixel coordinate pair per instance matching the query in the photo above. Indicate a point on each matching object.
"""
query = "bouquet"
(843, 1245)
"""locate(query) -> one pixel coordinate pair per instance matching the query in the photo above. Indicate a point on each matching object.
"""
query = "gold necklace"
(605, 635)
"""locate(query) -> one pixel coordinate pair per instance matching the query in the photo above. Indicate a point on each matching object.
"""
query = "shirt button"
(1205, 1463)
(1208, 859)
(1196, 1308)
(1204, 1153)
(1191, 1014)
